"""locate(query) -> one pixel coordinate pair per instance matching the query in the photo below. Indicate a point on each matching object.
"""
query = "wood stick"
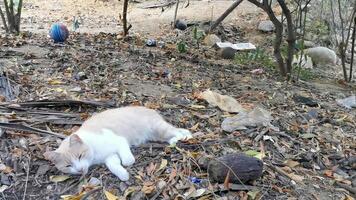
(224, 15)
(50, 103)
(25, 128)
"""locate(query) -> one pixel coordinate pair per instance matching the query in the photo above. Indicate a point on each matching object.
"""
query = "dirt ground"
(309, 153)
(103, 16)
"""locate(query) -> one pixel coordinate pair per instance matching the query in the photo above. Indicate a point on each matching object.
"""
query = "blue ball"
(59, 32)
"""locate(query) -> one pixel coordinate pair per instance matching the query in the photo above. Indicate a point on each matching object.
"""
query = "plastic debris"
(151, 43)
(256, 117)
(237, 46)
(349, 102)
(195, 180)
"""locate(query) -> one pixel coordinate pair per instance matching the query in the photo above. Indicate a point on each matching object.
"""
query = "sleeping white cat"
(106, 137)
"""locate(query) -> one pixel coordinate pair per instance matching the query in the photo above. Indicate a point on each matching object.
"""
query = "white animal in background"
(322, 56)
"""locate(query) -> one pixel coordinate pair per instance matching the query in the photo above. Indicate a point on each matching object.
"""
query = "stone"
(123, 186)
(4, 120)
(138, 196)
(244, 168)
(305, 100)
(4, 179)
(227, 53)
(81, 76)
(266, 26)
(93, 181)
(181, 25)
(42, 169)
(321, 56)
(211, 39)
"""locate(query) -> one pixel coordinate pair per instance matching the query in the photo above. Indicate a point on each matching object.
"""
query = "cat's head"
(72, 156)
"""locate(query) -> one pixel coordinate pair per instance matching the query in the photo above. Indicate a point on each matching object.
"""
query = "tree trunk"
(18, 17)
(175, 14)
(124, 17)
(8, 16)
(4, 20)
(224, 15)
(291, 36)
(352, 50)
(279, 34)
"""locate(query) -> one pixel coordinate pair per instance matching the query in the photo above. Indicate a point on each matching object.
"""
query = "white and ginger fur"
(106, 137)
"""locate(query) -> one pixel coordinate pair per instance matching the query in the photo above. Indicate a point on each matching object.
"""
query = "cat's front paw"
(128, 160)
(123, 175)
(180, 134)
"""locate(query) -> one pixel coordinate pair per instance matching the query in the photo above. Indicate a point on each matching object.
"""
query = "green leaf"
(254, 153)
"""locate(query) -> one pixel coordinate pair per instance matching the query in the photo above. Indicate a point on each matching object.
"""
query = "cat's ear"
(51, 156)
(74, 140)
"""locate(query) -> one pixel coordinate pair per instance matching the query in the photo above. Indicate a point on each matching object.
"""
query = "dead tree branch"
(225, 14)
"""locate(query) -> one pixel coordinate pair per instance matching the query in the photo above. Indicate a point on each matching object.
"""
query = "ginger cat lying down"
(106, 137)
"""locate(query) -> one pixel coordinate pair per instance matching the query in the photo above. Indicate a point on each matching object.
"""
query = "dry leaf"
(291, 163)
(253, 194)
(195, 127)
(197, 106)
(163, 164)
(73, 197)
(347, 197)
(55, 82)
(224, 102)
(296, 177)
(60, 178)
(172, 175)
(329, 173)
(110, 196)
(148, 187)
(5, 169)
(151, 168)
(129, 191)
(227, 180)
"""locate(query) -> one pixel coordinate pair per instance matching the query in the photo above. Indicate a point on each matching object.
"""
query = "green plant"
(198, 35)
(258, 57)
(182, 47)
(304, 74)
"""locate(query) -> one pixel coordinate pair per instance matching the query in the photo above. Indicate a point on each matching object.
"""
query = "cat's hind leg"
(113, 162)
(179, 134)
(168, 133)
